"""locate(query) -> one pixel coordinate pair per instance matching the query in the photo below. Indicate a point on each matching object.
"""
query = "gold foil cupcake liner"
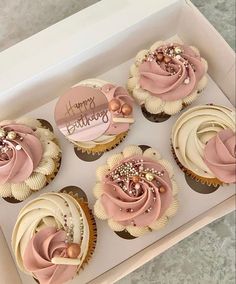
(91, 222)
(207, 181)
(101, 148)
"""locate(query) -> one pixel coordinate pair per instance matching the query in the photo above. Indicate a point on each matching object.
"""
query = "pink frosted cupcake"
(29, 157)
(167, 77)
(136, 191)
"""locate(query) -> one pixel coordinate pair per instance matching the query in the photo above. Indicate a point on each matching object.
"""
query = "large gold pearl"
(2, 133)
(167, 59)
(149, 176)
(73, 250)
(126, 109)
(11, 135)
(162, 189)
(114, 105)
(135, 179)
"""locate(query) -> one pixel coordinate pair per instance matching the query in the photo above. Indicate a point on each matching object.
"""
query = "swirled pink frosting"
(119, 93)
(220, 155)
(175, 80)
(45, 245)
(16, 165)
(133, 206)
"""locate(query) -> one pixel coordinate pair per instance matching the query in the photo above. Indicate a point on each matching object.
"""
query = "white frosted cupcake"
(136, 191)
(167, 77)
(204, 144)
(95, 115)
(29, 157)
(54, 237)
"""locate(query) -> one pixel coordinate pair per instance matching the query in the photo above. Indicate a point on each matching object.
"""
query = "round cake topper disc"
(82, 114)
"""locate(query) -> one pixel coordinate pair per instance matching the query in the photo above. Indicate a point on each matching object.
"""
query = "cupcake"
(204, 143)
(54, 237)
(94, 115)
(29, 157)
(136, 191)
(167, 77)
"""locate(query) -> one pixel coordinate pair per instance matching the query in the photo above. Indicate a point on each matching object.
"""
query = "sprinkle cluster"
(69, 226)
(131, 176)
(6, 136)
(167, 55)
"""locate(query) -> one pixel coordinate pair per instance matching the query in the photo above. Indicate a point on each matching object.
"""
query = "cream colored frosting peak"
(194, 129)
(55, 210)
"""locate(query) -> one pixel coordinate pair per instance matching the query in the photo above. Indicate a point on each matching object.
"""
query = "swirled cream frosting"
(167, 76)
(27, 156)
(204, 142)
(51, 238)
(136, 191)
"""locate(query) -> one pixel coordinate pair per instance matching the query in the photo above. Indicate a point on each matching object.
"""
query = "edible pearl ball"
(73, 250)
(137, 186)
(11, 135)
(135, 179)
(114, 105)
(178, 50)
(167, 59)
(149, 176)
(126, 109)
(162, 189)
(2, 133)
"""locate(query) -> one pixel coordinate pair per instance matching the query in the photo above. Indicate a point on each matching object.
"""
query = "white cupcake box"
(101, 41)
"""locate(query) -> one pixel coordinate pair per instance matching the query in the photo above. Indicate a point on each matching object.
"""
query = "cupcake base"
(92, 154)
(84, 156)
(80, 196)
(200, 187)
(125, 235)
(157, 118)
(195, 182)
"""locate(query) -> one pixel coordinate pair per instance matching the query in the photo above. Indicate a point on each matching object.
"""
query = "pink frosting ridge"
(119, 93)
(45, 245)
(220, 155)
(20, 156)
(174, 80)
(128, 204)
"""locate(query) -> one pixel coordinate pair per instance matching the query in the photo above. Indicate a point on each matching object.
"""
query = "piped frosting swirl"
(29, 155)
(41, 249)
(191, 134)
(135, 191)
(167, 77)
(20, 152)
(171, 72)
(44, 230)
(220, 155)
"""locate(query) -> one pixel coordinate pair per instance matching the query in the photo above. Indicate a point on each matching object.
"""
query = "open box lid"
(43, 66)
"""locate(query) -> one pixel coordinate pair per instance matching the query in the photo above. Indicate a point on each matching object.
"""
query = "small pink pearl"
(137, 186)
